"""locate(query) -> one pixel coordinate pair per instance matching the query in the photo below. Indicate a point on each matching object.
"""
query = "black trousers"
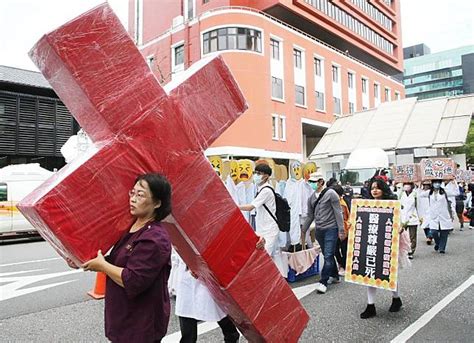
(341, 253)
(188, 327)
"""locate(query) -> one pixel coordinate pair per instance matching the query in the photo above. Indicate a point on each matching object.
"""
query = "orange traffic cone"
(99, 289)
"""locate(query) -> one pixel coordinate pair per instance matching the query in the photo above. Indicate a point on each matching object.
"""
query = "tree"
(467, 148)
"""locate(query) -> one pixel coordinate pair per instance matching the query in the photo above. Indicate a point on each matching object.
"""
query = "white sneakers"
(320, 288)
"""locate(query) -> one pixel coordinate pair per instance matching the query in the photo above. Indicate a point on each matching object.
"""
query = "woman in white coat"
(441, 220)
(409, 214)
(423, 207)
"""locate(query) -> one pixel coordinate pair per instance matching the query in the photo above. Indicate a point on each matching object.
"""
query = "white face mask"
(257, 178)
(436, 185)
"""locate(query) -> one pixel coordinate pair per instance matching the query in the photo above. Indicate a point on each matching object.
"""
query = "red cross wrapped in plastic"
(137, 127)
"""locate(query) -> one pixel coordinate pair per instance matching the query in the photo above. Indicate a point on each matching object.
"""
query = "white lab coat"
(294, 195)
(409, 214)
(423, 208)
(245, 191)
(193, 299)
(452, 191)
(439, 217)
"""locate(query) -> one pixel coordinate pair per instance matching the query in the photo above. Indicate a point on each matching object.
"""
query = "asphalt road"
(42, 300)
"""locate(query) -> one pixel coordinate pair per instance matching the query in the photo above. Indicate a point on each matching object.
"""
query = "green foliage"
(467, 148)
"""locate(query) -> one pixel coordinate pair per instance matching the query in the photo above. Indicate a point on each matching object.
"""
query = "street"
(42, 300)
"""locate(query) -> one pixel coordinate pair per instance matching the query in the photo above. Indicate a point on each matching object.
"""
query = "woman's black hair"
(160, 191)
(440, 189)
(338, 188)
(332, 181)
(386, 191)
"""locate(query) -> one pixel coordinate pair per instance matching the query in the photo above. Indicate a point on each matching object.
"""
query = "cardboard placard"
(437, 168)
(373, 243)
(407, 173)
(464, 175)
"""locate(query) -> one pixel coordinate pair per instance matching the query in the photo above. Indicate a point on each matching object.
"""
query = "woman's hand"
(71, 264)
(261, 243)
(96, 264)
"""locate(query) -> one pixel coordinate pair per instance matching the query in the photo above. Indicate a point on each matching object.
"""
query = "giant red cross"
(100, 75)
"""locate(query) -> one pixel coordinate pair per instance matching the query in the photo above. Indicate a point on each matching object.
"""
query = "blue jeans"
(441, 238)
(327, 241)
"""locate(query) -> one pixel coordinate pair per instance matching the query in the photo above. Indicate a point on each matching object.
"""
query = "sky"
(440, 24)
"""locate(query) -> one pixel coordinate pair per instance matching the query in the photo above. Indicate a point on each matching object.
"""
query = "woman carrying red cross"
(137, 305)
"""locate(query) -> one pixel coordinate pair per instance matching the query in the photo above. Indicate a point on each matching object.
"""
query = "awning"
(402, 124)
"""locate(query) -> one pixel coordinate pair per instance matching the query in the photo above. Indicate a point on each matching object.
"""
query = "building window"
(335, 74)
(397, 96)
(205, 1)
(364, 86)
(337, 105)
(275, 46)
(179, 55)
(299, 95)
(232, 38)
(318, 67)
(351, 107)
(387, 94)
(364, 108)
(274, 127)
(190, 9)
(282, 128)
(278, 127)
(277, 88)
(320, 101)
(350, 80)
(376, 90)
(297, 58)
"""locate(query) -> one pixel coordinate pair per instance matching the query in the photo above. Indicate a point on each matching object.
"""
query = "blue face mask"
(313, 185)
(436, 185)
(257, 178)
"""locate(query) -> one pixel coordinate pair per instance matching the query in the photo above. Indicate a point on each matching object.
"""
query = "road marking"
(425, 318)
(33, 261)
(204, 327)
(15, 284)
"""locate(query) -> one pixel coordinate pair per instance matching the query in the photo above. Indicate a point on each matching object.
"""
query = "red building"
(299, 63)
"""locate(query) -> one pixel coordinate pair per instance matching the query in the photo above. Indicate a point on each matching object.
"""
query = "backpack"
(283, 214)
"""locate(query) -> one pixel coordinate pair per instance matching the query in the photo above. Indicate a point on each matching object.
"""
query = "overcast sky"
(440, 24)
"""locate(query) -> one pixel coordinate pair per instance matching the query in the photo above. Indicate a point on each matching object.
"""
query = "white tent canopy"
(403, 124)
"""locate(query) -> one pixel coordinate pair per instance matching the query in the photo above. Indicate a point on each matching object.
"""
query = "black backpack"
(282, 211)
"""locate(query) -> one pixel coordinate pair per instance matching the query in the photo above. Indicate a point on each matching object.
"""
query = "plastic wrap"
(138, 127)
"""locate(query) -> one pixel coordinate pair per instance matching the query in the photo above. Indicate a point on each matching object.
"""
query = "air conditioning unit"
(178, 20)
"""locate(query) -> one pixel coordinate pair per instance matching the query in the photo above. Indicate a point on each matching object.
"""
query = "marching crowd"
(137, 306)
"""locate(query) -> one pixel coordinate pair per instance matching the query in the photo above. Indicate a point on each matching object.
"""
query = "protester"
(460, 205)
(341, 246)
(364, 191)
(452, 191)
(264, 203)
(194, 303)
(137, 305)
(379, 190)
(326, 212)
(348, 195)
(440, 214)
(409, 214)
(423, 207)
(470, 205)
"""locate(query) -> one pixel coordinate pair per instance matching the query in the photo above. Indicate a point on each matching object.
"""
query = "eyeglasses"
(139, 195)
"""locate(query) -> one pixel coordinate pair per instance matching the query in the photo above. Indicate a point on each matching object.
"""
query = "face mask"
(436, 185)
(313, 185)
(257, 178)
(407, 188)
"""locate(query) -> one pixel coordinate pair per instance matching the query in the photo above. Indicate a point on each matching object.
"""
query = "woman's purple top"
(139, 311)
